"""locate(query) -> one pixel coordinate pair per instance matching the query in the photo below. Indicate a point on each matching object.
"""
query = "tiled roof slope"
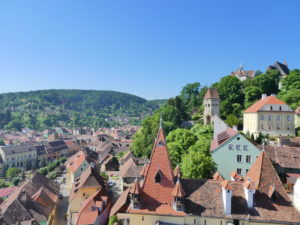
(32, 200)
(159, 163)
(212, 93)
(284, 156)
(92, 208)
(222, 137)
(270, 100)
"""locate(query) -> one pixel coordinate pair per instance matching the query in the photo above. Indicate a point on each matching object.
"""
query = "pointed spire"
(177, 172)
(178, 190)
(160, 122)
(135, 188)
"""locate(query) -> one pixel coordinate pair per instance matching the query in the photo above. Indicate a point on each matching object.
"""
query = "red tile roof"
(211, 93)
(222, 137)
(226, 185)
(135, 188)
(218, 177)
(75, 161)
(270, 100)
(4, 192)
(178, 190)
(159, 163)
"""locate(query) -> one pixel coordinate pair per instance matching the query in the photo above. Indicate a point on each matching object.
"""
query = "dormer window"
(158, 177)
(160, 143)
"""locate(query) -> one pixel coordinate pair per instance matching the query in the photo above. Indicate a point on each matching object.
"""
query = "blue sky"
(148, 48)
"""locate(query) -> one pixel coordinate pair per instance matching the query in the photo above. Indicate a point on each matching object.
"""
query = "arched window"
(158, 177)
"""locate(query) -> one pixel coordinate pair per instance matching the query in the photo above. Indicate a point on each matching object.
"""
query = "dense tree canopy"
(71, 108)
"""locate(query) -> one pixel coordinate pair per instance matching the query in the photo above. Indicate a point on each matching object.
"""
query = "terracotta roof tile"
(212, 93)
(135, 188)
(226, 185)
(218, 177)
(178, 190)
(270, 100)
(222, 137)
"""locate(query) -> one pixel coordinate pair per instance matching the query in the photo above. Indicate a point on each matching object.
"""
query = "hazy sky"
(149, 48)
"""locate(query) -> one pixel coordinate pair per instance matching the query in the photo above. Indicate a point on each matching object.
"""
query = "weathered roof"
(284, 156)
(14, 149)
(222, 137)
(135, 188)
(92, 207)
(75, 161)
(212, 93)
(178, 190)
(218, 177)
(281, 67)
(270, 100)
(89, 178)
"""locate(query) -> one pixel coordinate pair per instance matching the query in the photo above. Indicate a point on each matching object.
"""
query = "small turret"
(227, 196)
(178, 195)
(135, 195)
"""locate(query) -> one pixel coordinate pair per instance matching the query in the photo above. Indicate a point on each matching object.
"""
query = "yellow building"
(162, 197)
(297, 118)
(84, 186)
(269, 116)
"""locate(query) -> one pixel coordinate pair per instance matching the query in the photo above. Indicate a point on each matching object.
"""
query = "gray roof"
(8, 150)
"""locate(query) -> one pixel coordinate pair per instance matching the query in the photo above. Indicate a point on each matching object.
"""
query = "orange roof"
(270, 100)
(178, 190)
(89, 210)
(135, 188)
(159, 163)
(75, 161)
(218, 177)
(226, 185)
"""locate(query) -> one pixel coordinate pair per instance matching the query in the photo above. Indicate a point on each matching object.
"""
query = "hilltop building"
(269, 116)
(162, 197)
(211, 102)
(242, 74)
(281, 67)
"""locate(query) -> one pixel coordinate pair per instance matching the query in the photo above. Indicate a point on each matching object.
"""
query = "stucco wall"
(226, 158)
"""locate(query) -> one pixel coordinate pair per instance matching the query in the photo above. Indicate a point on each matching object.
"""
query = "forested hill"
(71, 108)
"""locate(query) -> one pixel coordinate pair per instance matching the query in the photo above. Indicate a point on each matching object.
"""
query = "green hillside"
(71, 108)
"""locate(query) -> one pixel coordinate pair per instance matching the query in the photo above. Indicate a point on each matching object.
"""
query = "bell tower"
(211, 102)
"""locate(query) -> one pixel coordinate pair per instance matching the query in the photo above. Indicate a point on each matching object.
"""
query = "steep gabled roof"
(212, 93)
(218, 177)
(178, 190)
(264, 175)
(270, 100)
(92, 207)
(159, 163)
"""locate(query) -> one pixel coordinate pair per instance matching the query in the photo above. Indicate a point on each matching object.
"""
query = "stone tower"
(211, 102)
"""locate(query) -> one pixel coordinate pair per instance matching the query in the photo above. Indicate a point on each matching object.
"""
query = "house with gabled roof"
(34, 202)
(84, 186)
(271, 116)
(162, 198)
(94, 210)
(233, 152)
(75, 166)
(243, 74)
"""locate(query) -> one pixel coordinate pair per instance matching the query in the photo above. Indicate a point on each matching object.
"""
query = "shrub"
(112, 220)
(12, 172)
(16, 181)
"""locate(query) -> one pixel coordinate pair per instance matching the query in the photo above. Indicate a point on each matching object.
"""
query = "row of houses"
(162, 196)
(17, 155)
(33, 202)
(89, 201)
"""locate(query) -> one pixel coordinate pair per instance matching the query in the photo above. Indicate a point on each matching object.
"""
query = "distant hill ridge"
(56, 107)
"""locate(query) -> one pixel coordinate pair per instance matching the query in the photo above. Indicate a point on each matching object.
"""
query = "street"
(62, 204)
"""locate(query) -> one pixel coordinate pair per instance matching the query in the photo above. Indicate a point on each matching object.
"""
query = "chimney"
(263, 96)
(249, 190)
(227, 196)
